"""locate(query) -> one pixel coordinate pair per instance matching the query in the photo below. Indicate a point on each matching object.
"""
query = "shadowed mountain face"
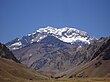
(6, 53)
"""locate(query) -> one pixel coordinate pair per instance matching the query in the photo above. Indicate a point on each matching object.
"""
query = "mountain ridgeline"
(66, 34)
(63, 52)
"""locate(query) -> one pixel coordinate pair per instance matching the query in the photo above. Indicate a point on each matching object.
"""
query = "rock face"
(66, 34)
(104, 50)
(6, 53)
(58, 50)
(50, 54)
(54, 55)
(98, 63)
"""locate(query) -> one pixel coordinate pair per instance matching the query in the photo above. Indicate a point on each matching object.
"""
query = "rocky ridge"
(66, 34)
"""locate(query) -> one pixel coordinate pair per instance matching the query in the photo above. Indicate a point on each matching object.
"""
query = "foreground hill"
(12, 71)
(15, 72)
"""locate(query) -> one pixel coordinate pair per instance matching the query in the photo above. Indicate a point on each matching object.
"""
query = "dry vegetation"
(63, 80)
(11, 71)
(15, 72)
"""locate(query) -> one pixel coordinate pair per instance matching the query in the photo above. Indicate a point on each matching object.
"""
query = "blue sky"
(20, 17)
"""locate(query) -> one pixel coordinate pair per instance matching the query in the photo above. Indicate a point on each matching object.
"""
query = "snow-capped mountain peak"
(66, 34)
(48, 29)
(53, 30)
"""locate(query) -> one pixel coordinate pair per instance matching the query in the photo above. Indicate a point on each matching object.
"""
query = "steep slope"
(6, 53)
(53, 55)
(12, 71)
(97, 66)
(66, 34)
(100, 64)
(15, 72)
(47, 55)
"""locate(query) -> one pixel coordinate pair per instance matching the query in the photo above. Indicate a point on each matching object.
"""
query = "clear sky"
(20, 17)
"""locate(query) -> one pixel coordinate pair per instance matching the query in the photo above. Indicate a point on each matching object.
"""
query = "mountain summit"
(66, 34)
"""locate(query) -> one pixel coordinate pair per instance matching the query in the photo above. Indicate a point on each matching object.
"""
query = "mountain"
(13, 71)
(52, 49)
(54, 53)
(54, 56)
(97, 66)
(66, 34)
(50, 54)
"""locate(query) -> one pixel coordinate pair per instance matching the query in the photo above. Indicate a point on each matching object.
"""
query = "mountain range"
(66, 34)
(63, 52)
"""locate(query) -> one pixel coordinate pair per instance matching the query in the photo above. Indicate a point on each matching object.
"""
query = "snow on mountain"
(66, 34)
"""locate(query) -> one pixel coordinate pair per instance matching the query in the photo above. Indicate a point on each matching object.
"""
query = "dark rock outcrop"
(6, 53)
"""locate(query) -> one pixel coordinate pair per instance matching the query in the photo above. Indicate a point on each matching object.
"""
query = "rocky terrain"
(97, 66)
(50, 54)
(11, 70)
(55, 57)
(6, 53)
(65, 34)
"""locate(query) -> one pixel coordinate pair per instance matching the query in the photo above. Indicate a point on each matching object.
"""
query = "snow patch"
(29, 34)
(66, 34)
(16, 44)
